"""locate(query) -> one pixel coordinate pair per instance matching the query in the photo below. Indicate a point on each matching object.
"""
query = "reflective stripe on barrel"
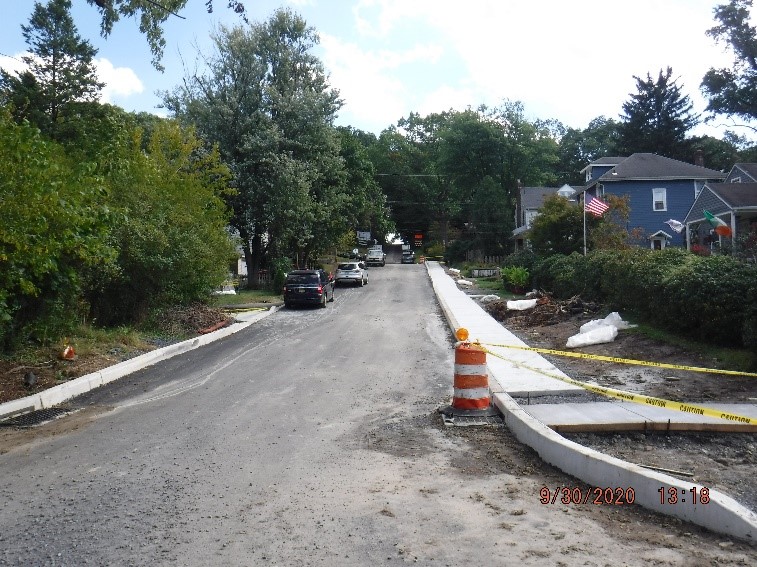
(471, 386)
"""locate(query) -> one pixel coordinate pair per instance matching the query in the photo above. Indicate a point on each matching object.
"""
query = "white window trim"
(664, 199)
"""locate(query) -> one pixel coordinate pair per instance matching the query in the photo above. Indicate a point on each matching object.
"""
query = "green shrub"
(517, 277)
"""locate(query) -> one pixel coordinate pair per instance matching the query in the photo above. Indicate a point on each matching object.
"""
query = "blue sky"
(571, 61)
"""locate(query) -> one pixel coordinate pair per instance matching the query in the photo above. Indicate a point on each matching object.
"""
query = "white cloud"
(13, 64)
(119, 81)
(368, 80)
(572, 61)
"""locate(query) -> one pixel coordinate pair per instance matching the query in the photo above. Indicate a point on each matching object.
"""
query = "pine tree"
(61, 64)
(657, 118)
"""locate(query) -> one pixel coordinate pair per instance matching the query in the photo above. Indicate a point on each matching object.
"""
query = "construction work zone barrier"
(471, 383)
(628, 396)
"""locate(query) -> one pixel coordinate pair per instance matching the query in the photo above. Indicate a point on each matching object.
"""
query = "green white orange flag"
(719, 225)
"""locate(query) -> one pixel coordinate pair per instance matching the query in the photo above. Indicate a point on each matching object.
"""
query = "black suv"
(308, 287)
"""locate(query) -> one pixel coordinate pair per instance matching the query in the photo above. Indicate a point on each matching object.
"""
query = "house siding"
(598, 171)
(679, 196)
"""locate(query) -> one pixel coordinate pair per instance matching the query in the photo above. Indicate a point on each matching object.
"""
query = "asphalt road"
(238, 450)
(310, 438)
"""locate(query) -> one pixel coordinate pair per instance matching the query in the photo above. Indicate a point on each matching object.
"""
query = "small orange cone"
(68, 353)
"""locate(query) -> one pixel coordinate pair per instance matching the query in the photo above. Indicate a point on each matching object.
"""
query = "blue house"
(658, 188)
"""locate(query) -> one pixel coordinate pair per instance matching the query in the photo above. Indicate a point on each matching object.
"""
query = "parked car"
(353, 272)
(408, 257)
(308, 287)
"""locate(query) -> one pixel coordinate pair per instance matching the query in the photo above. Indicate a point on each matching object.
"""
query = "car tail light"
(320, 289)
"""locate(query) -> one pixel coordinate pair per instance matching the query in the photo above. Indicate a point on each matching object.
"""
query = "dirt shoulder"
(37, 369)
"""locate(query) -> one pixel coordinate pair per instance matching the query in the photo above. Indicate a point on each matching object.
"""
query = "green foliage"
(577, 148)
(435, 250)
(563, 276)
(279, 269)
(170, 230)
(708, 298)
(53, 219)
(609, 232)
(61, 72)
(732, 91)
(265, 101)
(657, 118)
(558, 229)
(516, 276)
(523, 258)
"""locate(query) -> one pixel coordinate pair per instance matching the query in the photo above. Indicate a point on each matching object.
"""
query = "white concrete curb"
(721, 514)
(68, 390)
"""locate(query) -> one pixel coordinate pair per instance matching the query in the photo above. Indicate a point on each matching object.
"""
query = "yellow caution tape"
(625, 360)
(628, 396)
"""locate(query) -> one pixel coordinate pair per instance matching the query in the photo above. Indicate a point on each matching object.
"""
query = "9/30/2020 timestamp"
(694, 495)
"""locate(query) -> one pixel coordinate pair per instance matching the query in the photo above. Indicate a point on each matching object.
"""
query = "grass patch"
(493, 283)
(246, 296)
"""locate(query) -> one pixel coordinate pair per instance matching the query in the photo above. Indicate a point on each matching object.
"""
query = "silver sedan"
(353, 272)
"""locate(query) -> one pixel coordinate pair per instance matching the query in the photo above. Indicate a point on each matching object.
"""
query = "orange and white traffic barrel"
(471, 383)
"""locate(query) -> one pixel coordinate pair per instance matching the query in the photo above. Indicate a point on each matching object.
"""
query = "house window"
(530, 216)
(659, 199)
(736, 180)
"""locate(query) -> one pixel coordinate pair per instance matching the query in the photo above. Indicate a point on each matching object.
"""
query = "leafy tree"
(152, 14)
(456, 172)
(558, 229)
(610, 231)
(169, 223)
(61, 71)
(733, 92)
(266, 102)
(657, 118)
(365, 205)
(53, 223)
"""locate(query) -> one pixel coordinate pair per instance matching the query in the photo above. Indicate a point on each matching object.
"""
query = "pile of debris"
(191, 320)
(547, 311)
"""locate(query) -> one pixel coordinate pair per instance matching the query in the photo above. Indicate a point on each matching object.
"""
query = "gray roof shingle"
(652, 166)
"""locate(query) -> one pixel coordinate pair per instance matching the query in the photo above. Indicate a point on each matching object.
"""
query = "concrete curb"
(68, 390)
(722, 514)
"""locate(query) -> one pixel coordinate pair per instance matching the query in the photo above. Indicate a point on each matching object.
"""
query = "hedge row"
(711, 298)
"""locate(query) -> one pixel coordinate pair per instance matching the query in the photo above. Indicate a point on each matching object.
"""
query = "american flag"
(596, 207)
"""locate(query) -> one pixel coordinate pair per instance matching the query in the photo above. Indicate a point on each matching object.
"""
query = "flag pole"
(584, 223)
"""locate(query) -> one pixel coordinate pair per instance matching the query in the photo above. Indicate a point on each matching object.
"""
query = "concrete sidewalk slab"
(507, 375)
(627, 416)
